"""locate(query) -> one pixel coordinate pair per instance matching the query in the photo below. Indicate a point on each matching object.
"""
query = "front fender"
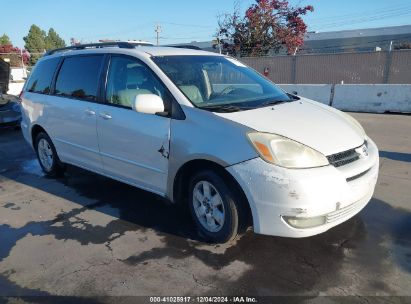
(206, 136)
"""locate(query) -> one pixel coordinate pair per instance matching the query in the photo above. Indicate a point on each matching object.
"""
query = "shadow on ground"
(405, 157)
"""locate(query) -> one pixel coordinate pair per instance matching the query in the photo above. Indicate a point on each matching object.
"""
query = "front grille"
(343, 158)
(357, 176)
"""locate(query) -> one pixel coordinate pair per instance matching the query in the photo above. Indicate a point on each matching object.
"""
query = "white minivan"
(202, 130)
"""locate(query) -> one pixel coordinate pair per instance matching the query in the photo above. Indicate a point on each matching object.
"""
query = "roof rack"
(185, 46)
(122, 45)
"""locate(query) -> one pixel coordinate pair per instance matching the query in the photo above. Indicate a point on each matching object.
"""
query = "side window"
(41, 77)
(127, 78)
(79, 77)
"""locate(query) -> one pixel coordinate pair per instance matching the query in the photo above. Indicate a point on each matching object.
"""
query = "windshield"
(220, 83)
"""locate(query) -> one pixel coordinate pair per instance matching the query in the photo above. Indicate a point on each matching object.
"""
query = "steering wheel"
(227, 90)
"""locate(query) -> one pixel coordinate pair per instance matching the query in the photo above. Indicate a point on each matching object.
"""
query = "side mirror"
(149, 104)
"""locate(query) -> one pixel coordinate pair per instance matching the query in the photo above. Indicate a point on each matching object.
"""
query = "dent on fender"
(164, 152)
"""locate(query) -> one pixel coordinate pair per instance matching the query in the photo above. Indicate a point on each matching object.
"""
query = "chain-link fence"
(357, 68)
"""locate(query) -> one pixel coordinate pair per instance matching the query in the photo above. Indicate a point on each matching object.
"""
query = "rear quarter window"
(79, 76)
(42, 75)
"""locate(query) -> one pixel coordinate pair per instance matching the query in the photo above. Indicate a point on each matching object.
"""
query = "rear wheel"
(47, 155)
(215, 207)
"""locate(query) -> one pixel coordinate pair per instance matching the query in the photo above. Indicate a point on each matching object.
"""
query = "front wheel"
(47, 155)
(215, 207)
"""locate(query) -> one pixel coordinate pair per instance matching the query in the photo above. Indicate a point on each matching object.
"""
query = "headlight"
(285, 152)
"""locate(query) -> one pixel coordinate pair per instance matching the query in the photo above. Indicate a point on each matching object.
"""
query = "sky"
(180, 20)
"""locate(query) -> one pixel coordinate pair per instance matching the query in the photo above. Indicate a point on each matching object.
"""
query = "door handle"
(105, 116)
(90, 112)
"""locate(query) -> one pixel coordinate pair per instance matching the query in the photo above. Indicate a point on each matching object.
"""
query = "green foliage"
(53, 40)
(5, 40)
(35, 43)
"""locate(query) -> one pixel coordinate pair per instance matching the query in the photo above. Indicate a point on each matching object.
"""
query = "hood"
(308, 122)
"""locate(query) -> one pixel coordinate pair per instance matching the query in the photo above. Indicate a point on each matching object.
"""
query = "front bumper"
(274, 193)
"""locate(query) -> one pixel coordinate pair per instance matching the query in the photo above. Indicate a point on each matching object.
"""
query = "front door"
(133, 146)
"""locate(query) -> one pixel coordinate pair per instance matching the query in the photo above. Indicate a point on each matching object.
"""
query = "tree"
(5, 40)
(35, 43)
(266, 25)
(14, 54)
(53, 40)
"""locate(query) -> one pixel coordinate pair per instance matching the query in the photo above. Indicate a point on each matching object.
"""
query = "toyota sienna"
(202, 130)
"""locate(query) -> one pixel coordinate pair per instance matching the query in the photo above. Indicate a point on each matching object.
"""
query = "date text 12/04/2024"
(203, 299)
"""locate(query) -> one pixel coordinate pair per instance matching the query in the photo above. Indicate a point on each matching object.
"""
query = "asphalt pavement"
(87, 235)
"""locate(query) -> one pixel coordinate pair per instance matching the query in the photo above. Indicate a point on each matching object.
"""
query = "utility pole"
(295, 51)
(158, 31)
(22, 64)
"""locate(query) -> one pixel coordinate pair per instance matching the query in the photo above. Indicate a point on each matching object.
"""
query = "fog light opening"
(305, 222)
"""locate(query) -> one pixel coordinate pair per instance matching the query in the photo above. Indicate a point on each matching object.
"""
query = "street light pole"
(158, 31)
(22, 64)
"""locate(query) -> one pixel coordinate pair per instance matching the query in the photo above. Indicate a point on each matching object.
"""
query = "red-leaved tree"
(267, 25)
(14, 54)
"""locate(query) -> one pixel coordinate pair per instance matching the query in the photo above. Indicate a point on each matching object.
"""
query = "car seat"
(137, 83)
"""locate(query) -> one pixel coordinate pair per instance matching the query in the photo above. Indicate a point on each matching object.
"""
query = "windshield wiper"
(236, 108)
(275, 102)
(224, 108)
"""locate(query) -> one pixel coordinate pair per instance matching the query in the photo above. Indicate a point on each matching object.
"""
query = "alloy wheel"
(208, 206)
(45, 154)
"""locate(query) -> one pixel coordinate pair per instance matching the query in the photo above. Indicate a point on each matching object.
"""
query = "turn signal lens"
(20, 99)
(264, 150)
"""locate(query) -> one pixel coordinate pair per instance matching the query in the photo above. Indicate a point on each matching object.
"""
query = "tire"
(47, 156)
(225, 217)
